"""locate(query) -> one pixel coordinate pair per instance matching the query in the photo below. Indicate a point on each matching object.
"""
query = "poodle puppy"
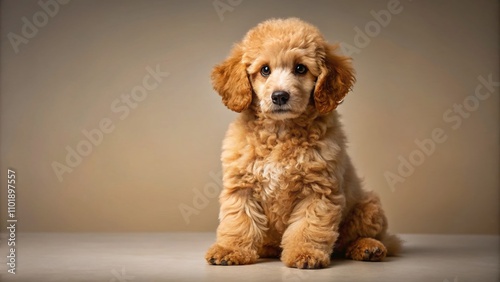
(290, 190)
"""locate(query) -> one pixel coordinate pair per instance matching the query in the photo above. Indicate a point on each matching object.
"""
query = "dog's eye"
(265, 71)
(300, 69)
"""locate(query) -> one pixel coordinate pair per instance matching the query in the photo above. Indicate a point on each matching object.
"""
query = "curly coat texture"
(290, 190)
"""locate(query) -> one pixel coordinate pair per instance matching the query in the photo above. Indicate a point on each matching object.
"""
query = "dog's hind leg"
(363, 232)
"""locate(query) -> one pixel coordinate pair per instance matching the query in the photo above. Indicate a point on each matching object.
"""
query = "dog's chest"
(271, 177)
(277, 171)
(284, 165)
(279, 176)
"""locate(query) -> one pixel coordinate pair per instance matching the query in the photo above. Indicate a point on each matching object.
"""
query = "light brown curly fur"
(290, 189)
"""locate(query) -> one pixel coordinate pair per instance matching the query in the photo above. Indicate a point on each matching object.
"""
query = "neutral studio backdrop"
(154, 164)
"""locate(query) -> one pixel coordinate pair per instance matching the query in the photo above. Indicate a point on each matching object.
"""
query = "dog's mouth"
(281, 111)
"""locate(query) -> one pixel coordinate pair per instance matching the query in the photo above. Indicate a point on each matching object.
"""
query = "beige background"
(166, 151)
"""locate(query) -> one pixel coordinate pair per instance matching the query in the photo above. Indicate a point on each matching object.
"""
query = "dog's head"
(283, 66)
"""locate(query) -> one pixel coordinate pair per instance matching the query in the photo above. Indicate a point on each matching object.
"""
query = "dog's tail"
(393, 244)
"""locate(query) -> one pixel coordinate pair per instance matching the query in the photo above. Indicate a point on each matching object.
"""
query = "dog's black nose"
(280, 97)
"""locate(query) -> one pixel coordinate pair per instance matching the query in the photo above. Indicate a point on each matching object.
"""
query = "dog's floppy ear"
(230, 80)
(334, 82)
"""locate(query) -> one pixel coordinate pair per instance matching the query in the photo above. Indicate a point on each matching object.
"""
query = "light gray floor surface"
(179, 257)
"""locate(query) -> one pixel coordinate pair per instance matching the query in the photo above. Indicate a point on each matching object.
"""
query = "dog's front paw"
(366, 249)
(306, 259)
(218, 255)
